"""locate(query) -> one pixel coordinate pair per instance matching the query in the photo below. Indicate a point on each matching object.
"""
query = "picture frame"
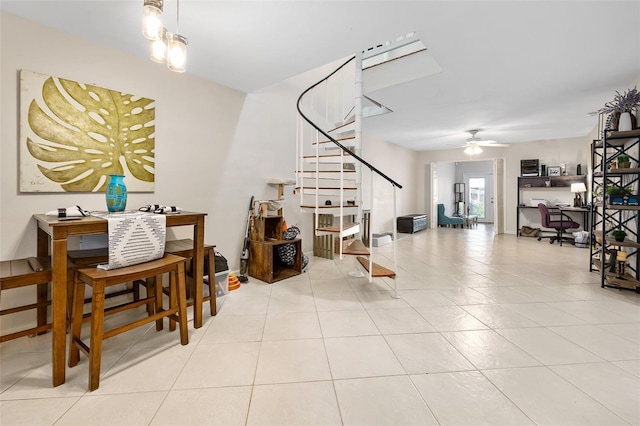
(554, 171)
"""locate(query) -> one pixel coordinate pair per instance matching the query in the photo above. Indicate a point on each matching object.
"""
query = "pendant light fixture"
(152, 19)
(163, 45)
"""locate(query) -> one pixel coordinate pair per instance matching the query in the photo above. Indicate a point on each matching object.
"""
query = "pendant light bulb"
(158, 48)
(177, 52)
(152, 19)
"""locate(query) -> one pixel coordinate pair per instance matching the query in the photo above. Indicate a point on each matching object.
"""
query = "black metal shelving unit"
(621, 214)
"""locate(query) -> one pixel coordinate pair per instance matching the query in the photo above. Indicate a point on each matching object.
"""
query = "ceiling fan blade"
(493, 143)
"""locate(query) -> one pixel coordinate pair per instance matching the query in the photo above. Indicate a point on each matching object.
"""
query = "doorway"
(480, 195)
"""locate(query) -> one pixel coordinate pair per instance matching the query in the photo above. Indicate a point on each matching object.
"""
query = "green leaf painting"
(74, 135)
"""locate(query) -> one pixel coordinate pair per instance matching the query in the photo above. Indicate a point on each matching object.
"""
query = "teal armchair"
(444, 220)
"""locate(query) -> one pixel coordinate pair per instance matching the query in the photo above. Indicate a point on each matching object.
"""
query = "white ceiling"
(519, 70)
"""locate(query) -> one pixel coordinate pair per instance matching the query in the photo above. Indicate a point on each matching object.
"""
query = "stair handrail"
(342, 147)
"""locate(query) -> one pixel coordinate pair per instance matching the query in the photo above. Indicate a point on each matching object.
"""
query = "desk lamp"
(578, 188)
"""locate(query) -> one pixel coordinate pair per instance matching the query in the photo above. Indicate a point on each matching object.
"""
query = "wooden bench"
(99, 280)
(26, 272)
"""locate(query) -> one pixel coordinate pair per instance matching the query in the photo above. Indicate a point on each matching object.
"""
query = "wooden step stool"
(99, 280)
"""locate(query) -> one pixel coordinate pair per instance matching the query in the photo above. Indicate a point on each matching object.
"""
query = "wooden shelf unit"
(265, 237)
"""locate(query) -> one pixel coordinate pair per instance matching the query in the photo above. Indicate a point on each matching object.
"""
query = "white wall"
(215, 146)
(571, 151)
(446, 179)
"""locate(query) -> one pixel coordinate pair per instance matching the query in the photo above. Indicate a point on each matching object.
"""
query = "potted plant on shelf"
(616, 194)
(620, 110)
(624, 161)
(619, 235)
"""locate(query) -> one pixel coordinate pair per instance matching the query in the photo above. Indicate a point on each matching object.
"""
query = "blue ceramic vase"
(116, 194)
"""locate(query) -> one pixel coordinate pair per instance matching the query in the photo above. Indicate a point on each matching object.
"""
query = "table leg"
(59, 308)
(58, 298)
(198, 271)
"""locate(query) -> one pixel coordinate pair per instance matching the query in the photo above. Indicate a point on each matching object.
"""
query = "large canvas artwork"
(74, 135)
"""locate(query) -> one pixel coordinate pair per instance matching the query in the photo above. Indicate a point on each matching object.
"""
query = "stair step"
(378, 270)
(342, 157)
(332, 209)
(330, 192)
(348, 229)
(344, 128)
(356, 248)
(331, 142)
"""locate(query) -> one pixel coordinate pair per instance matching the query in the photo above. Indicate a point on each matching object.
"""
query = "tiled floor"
(487, 330)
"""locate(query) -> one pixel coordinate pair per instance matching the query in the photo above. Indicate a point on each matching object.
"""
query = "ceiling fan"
(474, 143)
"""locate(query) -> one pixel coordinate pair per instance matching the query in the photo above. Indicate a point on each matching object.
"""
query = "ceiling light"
(472, 149)
(177, 53)
(158, 48)
(152, 19)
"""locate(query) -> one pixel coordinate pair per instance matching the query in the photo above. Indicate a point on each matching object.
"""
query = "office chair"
(561, 223)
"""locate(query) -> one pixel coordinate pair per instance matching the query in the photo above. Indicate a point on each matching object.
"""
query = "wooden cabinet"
(264, 260)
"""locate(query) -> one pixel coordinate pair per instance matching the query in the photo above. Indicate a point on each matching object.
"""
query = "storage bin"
(222, 283)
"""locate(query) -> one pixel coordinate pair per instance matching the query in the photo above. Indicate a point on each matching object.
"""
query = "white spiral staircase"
(330, 168)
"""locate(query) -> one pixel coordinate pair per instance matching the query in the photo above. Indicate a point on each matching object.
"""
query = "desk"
(53, 233)
(585, 214)
(584, 210)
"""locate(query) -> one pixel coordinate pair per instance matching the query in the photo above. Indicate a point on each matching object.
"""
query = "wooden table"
(54, 233)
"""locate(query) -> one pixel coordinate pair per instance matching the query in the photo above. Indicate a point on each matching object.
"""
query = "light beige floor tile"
(34, 412)
(37, 384)
(347, 323)
(225, 364)
(330, 286)
(467, 398)
(397, 321)
(499, 316)
(311, 403)
(629, 331)
(337, 301)
(110, 410)
(547, 398)
(487, 349)
(216, 406)
(300, 325)
(245, 305)
(600, 342)
(287, 303)
(427, 353)
(234, 328)
(544, 314)
(465, 296)
(547, 347)
(450, 318)
(421, 298)
(15, 366)
(380, 300)
(590, 312)
(143, 370)
(503, 294)
(613, 387)
(632, 366)
(353, 357)
(397, 402)
(289, 361)
(295, 285)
